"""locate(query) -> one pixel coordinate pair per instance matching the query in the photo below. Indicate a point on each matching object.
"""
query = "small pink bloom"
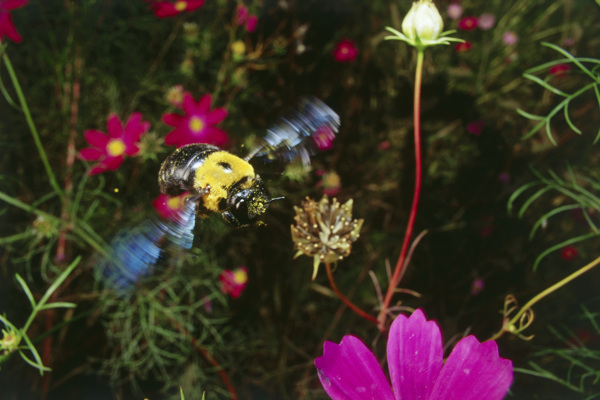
(251, 23)
(486, 21)
(504, 177)
(233, 282)
(197, 126)
(7, 27)
(175, 95)
(415, 358)
(462, 47)
(569, 253)
(165, 9)
(559, 69)
(509, 38)
(475, 127)
(111, 149)
(324, 137)
(454, 10)
(330, 182)
(477, 286)
(241, 15)
(385, 145)
(345, 50)
(468, 23)
(170, 207)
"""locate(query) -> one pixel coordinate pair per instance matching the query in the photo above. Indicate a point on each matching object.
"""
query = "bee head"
(246, 206)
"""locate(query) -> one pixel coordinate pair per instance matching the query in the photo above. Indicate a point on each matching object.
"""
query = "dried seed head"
(324, 230)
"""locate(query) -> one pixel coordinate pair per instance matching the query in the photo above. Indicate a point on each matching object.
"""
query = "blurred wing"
(311, 128)
(134, 251)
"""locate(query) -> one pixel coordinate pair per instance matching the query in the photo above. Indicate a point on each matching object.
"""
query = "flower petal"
(415, 355)
(12, 4)
(203, 105)
(474, 371)
(114, 126)
(215, 116)
(90, 154)
(96, 138)
(7, 28)
(351, 371)
(173, 119)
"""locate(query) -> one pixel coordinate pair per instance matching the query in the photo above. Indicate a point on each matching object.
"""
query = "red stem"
(346, 300)
(400, 267)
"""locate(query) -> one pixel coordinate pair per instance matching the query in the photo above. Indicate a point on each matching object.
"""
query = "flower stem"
(507, 326)
(400, 265)
(346, 300)
(32, 128)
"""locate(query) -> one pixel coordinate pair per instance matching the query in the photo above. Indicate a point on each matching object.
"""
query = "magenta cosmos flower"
(165, 9)
(468, 23)
(110, 150)
(234, 282)
(7, 28)
(345, 50)
(415, 357)
(170, 207)
(197, 125)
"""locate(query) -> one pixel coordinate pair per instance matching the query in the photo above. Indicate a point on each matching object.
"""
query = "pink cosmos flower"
(477, 286)
(197, 125)
(175, 95)
(7, 28)
(242, 16)
(468, 23)
(486, 21)
(345, 50)
(165, 9)
(324, 137)
(509, 38)
(454, 10)
(234, 282)
(169, 207)
(110, 150)
(330, 182)
(475, 127)
(415, 356)
(462, 47)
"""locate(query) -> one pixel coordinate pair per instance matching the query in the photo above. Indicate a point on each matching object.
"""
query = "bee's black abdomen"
(177, 172)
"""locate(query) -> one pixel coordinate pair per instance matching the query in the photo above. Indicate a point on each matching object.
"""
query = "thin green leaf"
(533, 198)
(533, 130)
(15, 238)
(26, 290)
(517, 193)
(549, 132)
(569, 122)
(530, 116)
(567, 242)
(58, 281)
(573, 59)
(549, 215)
(545, 85)
(39, 365)
(58, 304)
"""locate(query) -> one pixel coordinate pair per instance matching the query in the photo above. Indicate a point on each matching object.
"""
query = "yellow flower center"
(174, 203)
(180, 5)
(344, 50)
(196, 124)
(240, 276)
(115, 147)
(238, 47)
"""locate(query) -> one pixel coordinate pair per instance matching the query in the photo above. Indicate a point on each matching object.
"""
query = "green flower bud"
(423, 22)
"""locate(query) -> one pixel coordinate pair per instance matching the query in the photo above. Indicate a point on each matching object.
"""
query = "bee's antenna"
(276, 198)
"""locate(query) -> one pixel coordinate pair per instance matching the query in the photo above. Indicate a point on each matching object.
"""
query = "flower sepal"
(443, 38)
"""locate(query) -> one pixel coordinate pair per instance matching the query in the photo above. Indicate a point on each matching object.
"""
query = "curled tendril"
(518, 323)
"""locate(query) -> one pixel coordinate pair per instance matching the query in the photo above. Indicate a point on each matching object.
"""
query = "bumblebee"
(221, 182)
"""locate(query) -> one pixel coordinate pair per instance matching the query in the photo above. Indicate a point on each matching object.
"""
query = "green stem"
(32, 128)
(401, 265)
(541, 295)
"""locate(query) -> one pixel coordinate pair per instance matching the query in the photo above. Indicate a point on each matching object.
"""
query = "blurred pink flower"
(7, 27)
(165, 9)
(462, 47)
(345, 50)
(569, 253)
(251, 23)
(415, 358)
(110, 150)
(384, 145)
(233, 282)
(486, 21)
(170, 207)
(454, 10)
(324, 137)
(504, 177)
(330, 182)
(468, 23)
(475, 127)
(197, 125)
(509, 38)
(559, 69)
(477, 286)
(175, 95)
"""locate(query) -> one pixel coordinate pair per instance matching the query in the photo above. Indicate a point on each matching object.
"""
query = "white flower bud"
(423, 22)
